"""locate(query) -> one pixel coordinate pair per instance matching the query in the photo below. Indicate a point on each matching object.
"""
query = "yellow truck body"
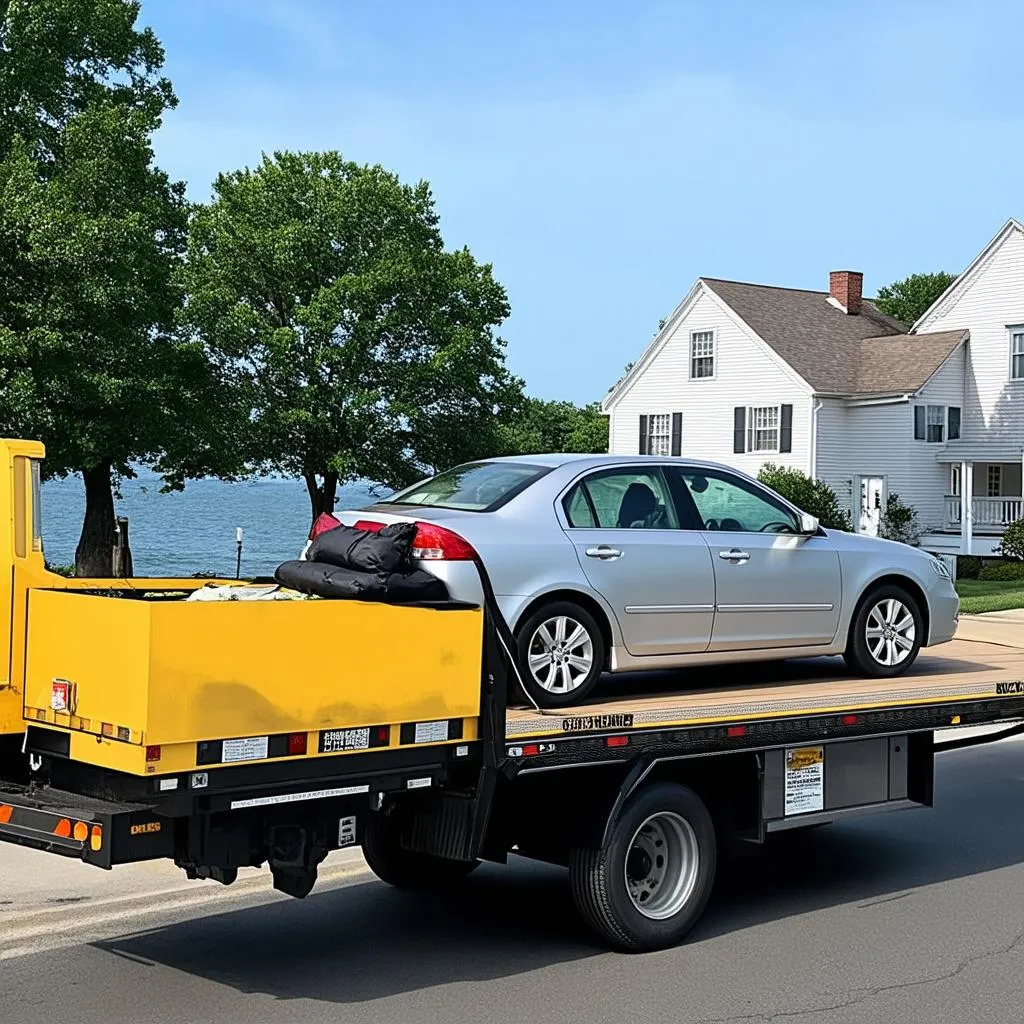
(142, 681)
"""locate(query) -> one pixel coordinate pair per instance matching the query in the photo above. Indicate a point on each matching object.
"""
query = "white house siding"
(990, 302)
(746, 373)
(877, 440)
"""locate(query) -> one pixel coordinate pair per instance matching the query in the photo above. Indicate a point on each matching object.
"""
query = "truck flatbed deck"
(964, 671)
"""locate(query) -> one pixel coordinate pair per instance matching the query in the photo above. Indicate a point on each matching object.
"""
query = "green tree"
(908, 299)
(538, 427)
(811, 496)
(370, 350)
(91, 234)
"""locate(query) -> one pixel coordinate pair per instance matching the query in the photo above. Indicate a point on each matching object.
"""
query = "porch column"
(966, 503)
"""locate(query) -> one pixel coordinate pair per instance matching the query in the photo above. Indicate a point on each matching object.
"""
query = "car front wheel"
(887, 633)
(561, 654)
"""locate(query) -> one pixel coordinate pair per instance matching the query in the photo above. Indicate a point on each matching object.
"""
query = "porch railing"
(987, 514)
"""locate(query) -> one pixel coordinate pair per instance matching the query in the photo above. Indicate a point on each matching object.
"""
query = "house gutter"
(812, 468)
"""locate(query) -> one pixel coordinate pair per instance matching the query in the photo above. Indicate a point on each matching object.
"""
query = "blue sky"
(602, 155)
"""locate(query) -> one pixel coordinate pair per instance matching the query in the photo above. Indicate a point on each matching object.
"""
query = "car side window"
(626, 499)
(728, 503)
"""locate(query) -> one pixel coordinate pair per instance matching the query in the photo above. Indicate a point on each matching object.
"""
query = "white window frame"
(998, 480)
(954, 480)
(752, 429)
(705, 336)
(657, 417)
(960, 425)
(940, 422)
(1015, 333)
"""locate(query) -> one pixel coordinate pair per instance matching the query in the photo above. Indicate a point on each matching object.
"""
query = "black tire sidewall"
(524, 633)
(635, 932)
(857, 650)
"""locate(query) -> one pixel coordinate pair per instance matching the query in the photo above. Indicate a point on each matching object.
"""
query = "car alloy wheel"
(890, 631)
(560, 655)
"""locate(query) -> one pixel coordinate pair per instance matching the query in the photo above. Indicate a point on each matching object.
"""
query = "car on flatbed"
(625, 563)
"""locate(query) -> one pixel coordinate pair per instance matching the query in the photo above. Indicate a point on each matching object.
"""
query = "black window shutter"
(677, 433)
(919, 429)
(643, 435)
(786, 428)
(739, 429)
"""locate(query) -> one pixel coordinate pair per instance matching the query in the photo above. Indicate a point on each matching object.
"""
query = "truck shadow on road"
(366, 941)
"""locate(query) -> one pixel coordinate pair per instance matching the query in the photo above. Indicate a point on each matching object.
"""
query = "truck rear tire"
(649, 882)
(406, 869)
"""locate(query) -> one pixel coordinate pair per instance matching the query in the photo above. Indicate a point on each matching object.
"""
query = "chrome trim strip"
(663, 609)
(775, 607)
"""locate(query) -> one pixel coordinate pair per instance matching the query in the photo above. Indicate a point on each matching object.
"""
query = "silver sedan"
(622, 563)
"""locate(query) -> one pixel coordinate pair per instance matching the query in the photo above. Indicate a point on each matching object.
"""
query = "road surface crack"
(862, 995)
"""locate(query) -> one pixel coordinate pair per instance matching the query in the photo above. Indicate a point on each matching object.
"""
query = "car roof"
(556, 459)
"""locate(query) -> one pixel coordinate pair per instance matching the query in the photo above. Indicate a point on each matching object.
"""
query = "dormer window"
(702, 354)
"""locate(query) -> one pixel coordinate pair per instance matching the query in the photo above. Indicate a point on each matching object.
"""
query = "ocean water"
(194, 530)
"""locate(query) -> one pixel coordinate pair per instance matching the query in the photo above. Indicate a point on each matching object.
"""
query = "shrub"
(968, 567)
(1012, 545)
(899, 521)
(1003, 572)
(811, 496)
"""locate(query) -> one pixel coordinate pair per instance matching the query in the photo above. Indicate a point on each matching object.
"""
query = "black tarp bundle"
(363, 565)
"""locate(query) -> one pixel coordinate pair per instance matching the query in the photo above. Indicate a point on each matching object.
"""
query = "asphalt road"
(913, 917)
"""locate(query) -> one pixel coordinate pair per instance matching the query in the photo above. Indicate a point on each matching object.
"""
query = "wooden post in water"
(122, 551)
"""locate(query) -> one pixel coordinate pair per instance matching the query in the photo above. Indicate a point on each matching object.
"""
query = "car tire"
(406, 869)
(878, 634)
(646, 883)
(559, 621)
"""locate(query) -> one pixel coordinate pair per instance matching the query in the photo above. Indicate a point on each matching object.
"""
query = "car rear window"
(477, 487)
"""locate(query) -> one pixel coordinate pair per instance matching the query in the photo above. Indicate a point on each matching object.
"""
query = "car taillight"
(369, 525)
(435, 543)
(324, 522)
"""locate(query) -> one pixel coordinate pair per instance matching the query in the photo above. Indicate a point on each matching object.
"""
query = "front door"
(658, 579)
(774, 587)
(872, 501)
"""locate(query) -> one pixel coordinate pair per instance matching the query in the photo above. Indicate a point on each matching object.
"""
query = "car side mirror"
(808, 524)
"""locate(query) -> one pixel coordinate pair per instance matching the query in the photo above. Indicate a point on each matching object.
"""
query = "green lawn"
(977, 596)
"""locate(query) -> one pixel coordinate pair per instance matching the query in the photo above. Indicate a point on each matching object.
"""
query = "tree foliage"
(907, 300)
(91, 235)
(539, 427)
(369, 349)
(811, 496)
(899, 521)
(1012, 544)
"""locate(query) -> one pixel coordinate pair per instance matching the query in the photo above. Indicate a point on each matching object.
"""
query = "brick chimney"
(845, 287)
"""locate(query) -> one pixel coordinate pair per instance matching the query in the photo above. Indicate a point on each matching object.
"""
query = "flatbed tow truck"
(222, 735)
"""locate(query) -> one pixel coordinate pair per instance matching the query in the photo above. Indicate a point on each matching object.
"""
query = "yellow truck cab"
(225, 734)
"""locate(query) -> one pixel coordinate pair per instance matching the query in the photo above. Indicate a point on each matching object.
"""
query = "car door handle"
(604, 552)
(734, 555)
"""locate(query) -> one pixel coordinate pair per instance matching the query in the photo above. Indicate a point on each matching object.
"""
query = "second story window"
(1017, 353)
(702, 354)
(930, 423)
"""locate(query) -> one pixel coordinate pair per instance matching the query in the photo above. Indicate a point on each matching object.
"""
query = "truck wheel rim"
(890, 631)
(561, 654)
(661, 865)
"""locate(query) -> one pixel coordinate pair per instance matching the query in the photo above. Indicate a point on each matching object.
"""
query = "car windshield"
(477, 487)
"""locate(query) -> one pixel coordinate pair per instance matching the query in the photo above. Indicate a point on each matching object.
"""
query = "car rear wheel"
(886, 634)
(561, 654)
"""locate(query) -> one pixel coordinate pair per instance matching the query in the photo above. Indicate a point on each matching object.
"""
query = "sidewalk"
(1005, 628)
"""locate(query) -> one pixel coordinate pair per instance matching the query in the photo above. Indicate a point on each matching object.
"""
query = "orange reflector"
(96, 838)
(108, 730)
(81, 831)
(63, 829)
(6, 810)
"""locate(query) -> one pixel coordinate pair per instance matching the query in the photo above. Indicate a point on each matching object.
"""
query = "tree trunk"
(322, 496)
(94, 556)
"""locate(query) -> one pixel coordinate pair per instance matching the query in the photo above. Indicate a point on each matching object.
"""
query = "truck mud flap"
(95, 831)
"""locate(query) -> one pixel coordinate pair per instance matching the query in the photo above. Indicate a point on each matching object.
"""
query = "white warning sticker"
(252, 748)
(431, 732)
(805, 780)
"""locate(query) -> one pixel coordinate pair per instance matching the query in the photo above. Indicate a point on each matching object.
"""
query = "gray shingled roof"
(869, 353)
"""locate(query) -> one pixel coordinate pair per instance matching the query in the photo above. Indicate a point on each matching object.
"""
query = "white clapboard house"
(823, 381)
